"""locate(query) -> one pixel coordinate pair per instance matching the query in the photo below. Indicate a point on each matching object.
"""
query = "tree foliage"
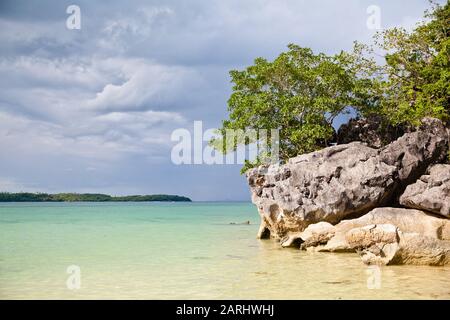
(301, 93)
(414, 81)
(84, 197)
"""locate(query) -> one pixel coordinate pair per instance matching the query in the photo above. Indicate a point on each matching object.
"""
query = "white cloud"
(89, 107)
(146, 86)
(105, 137)
(26, 32)
(12, 185)
(141, 24)
(61, 73)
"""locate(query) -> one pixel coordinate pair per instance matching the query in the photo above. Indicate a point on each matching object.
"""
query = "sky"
(93, 109)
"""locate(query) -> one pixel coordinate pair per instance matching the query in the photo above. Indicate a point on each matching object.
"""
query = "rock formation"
(314, 235)
(431, 192)
(385, 244)
(406, 220)
(342, 181)
(338, 198)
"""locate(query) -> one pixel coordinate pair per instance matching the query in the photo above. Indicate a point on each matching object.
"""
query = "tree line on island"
(85, 197)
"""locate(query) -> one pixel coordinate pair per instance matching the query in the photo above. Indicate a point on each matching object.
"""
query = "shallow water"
(181, 251)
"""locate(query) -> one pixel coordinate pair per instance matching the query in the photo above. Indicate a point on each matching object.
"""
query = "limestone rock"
(342, 181)
(431, 192)
(376, 244)
(420, 250)
(326, 185)
(414, 152)
(291, 240)
(385, 244)
(314, 235)
(406, 220)
(317, 234)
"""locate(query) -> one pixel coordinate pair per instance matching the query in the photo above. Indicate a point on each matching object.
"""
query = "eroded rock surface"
(314, 235)
(431, 192)
(341, 181)
(376, 244)
(385, 244)
(406, 220)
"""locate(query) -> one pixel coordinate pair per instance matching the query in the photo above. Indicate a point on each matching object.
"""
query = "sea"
(197, 250)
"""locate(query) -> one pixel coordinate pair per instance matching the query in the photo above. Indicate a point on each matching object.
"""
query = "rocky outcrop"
(376, 244)
(326, 185)
(414, 152)
(342, 181)
(384, 236)
(373, 130)
(431, 192)
(314, 235)
(406, 220)
(385, 244)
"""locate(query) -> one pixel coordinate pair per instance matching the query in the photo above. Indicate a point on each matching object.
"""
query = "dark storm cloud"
(93, 109)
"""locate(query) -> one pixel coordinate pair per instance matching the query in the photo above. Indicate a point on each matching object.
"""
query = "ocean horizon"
(174, 250)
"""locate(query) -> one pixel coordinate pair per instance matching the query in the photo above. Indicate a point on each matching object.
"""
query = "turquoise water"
(180, 251)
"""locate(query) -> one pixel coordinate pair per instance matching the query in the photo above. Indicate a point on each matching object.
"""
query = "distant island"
(85, 197)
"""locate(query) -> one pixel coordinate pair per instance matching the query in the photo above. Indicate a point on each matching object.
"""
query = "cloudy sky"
(92, 110)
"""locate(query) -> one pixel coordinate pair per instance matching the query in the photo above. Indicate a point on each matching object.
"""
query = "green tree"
(299, 93)
(414, 81)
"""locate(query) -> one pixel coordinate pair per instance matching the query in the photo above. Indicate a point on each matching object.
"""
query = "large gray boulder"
(385, 244)
(341, 181)
(431, 192)
(326, 185)
(414, 152)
